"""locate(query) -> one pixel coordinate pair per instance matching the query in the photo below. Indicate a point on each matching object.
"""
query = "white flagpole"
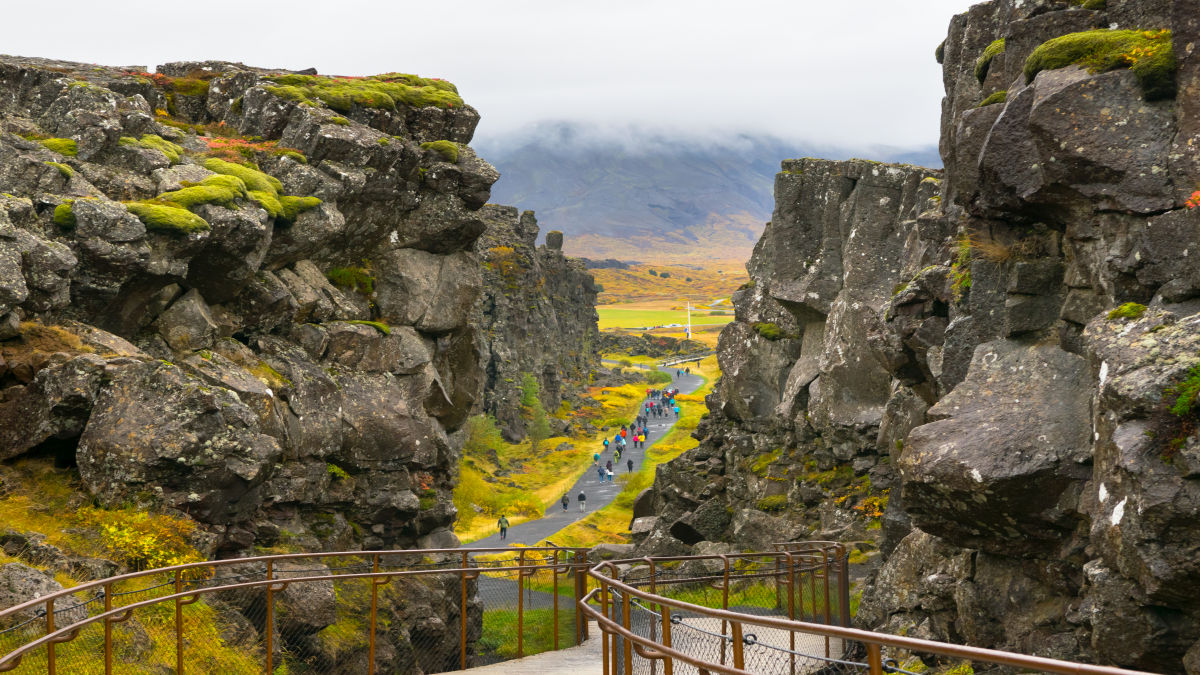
(688, 336)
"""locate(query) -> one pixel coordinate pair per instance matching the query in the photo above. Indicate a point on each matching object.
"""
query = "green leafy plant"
(1186, 393)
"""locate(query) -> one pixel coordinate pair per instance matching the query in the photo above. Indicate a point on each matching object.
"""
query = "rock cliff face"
(243, 295)
(953, 338)
(536, 315)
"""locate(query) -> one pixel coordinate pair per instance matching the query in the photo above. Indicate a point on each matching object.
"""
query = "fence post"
(604, 635)
(668, 664)
(51, 661)
(462, 636)
(554, 575)
(844, 586)
(825, 574)
(739, 657)
(107, 630)
(626, 642)
(178, 623)
(581, 579)
(874, 659)
(724, 603)
(270, 626)
(653, 628)
(374, 614)
(791, 584)
(521, 604)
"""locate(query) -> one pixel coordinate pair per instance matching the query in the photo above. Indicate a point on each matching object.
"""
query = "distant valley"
(651, 196)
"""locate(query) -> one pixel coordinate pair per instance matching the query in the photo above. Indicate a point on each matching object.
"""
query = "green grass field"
(619, 317)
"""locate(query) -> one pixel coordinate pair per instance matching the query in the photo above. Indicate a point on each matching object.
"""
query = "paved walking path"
(582, 660)
(598, 493)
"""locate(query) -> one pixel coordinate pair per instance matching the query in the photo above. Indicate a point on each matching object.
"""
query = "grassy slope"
(710, 281)
(611, 523)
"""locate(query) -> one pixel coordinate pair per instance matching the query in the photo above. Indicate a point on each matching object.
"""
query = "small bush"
(984, 62)
(63, 146)
(1148, 54)
(657, 377)
(167, 218)
(143, 540)
(447, 149)
(63, 169)
(1129, 310)
(772, 504)
(336, 472)
(998, 97)
(64, 214)
(1186, 393)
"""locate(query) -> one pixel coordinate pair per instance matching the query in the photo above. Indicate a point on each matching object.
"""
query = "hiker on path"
(600, 473)
(608, 466)
(582, 502)
(503, 525)
(596, 459)
(629, 465)
(610, 475)
(676, 412)
(606, 442)
(565, 502)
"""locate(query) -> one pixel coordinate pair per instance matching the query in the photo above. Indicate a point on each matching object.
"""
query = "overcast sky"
(847, 72)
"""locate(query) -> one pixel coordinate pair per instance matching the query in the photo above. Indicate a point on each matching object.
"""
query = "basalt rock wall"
(277, 344)
(953, 339)
(536, 316)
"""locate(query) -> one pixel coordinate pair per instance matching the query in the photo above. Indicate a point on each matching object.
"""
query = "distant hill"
(650, 196)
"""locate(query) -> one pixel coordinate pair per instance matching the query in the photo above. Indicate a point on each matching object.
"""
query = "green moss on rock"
(165, 218)
(770, 331)
(357, 279)
(1147, 53)
(447, 149)
(155, 142)
(378, 91)
(377, 325)
(1129, 310)
(998, 97)
(292, 206)
(63, 146)
(64, 214)
(63, 169)
(940, 53)
(1186, 393)
(253, 178)
(772, 504)
(984, 62)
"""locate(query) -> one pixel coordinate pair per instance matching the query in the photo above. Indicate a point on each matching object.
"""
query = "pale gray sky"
(848, 72)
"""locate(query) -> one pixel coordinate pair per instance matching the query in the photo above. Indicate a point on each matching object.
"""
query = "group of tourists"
(661, 402)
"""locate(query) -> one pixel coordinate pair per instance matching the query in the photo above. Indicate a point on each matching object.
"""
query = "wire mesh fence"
(396, 612)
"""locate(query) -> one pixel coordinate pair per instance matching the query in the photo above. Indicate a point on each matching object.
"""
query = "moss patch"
(294, 206)
(63, 146)
(63, 169)
(378, 91)
(64, 214)
(1186, 393)
(772, 504)
(984, 62)
(221, 190)
(377, 325)
(357, 279)
(155, 142)
(167, 218)
(998, 97)
(340, 121)
(1129, 310)
(939, 54)
(1091, 4)
(1147, 53)
(253, 178)
(447, 149)
(770, 331)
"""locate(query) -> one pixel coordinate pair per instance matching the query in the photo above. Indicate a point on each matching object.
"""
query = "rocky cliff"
(243, 295)
(1010, 349)
(536, 316)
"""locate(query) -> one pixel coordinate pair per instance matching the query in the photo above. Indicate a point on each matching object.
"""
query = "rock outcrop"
(1010, 348)
(244, 295)
(536, 316)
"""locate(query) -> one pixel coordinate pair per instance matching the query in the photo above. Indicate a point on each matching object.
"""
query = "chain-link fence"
(395, 612)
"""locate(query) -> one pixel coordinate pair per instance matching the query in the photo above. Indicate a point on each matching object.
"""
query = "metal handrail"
(465, 569)
(874, 641)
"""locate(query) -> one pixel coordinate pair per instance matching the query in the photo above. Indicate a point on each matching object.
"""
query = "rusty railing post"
(462, 635)
(107, 630)
(270, 625)
(791, 563)
(51, 661)
(844, 586)
(724, 603)
(374, 614)
(627, 623)
(874, 658)
(178, 623)
(581, 573)
(653, 628)
(604, 635)
(739, 657)
(554, 575)
(521, 604)
(668, 663)
(828, 616)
